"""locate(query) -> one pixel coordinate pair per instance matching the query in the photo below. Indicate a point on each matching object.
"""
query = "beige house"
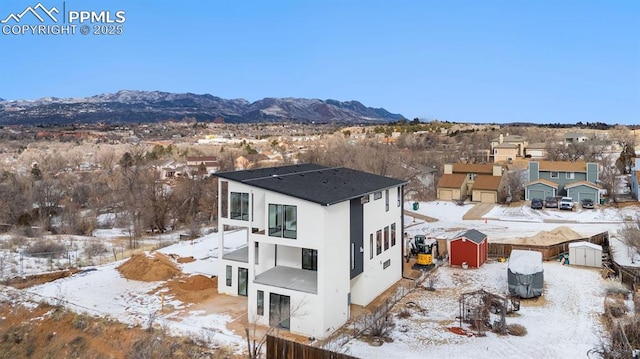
(508, 147)
(480, 181)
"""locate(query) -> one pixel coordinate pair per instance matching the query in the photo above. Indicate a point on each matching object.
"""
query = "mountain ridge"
(128, 106)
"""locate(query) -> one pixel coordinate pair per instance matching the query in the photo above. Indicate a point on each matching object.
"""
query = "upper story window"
(472, 176)
(283, 221)
(571, 175)
(393, 234)
(386, 200)
(399, 196)
(240, 206)
(378, 241)
(364, 199)
(555, 174)
(377, 195)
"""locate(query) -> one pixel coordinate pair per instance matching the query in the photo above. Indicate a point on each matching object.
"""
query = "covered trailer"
(525, 274)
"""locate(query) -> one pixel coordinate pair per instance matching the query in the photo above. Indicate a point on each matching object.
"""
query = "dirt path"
(479, 210)
(420, 216)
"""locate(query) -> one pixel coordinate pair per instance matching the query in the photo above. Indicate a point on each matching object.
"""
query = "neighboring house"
(577, 180)
(208, 163)
(577, 137)
(470, 247)
(426, 176)
(635, 178)
(505, 152)
(508, 147)
(480, 181)
(318, 239)
(536, 151)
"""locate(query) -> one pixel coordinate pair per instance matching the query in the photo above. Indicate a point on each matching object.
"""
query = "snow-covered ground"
(565, 324)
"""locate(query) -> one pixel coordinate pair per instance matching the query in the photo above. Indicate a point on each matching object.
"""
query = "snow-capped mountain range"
(151, 106)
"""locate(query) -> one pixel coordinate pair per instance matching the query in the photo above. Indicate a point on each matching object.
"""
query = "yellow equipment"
(424, 252)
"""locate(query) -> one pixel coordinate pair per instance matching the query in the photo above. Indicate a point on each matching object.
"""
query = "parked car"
(587, 203)
(566, 203)
(551, 202)
(536, 203)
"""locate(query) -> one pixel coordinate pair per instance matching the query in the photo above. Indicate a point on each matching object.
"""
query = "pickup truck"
(566, 203)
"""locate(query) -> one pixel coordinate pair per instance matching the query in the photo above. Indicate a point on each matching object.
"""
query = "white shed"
(585, 254)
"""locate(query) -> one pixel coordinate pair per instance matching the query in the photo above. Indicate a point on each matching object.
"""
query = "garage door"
(487, 197)
(590, 195)
(446, 194)
(536, 194)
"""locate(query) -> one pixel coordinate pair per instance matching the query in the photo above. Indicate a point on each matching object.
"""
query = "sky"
(491, 61)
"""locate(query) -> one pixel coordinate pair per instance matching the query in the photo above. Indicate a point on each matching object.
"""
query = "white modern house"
(318, 239)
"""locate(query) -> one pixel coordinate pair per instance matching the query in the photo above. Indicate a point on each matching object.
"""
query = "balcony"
(239, 255)
(301, 280)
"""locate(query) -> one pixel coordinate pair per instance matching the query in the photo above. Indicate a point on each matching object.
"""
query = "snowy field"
(564, 324)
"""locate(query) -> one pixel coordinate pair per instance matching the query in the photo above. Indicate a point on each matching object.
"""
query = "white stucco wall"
(375, 279)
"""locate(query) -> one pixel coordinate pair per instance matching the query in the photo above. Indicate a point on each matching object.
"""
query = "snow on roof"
(585, 244)
(525, 262)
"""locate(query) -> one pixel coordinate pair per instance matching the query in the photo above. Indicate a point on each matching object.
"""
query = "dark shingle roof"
(314, 183)
(474, 235)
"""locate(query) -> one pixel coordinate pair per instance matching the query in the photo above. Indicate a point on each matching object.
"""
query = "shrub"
(516, 330)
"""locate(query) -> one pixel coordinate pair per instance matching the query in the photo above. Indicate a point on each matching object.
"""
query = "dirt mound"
(29, 281)
(193, 289)
(149, 268)
(186, 259)
(557, 235)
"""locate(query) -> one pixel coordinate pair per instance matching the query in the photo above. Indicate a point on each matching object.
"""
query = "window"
(571, 175)
(377, 195)
(260, 309)
(472, 176)
(229, 274)
(378, 242)
(224, 196)
(309, 259)
(240, 206)
(364, 199)
(243, 281)
(399, 196)
(386, 238)
(393, 234)
(283, 221)
(371, 246)
(386, 200)
(555, 174)
(353, 256)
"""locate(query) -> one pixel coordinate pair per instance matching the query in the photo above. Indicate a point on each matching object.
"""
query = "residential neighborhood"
(312, 240)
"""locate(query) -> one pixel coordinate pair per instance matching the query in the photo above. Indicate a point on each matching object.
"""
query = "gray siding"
(562, 179)
(592, 172)
(533, 170)
(357, 234)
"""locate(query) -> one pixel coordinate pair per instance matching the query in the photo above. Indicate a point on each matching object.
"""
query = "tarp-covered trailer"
(525, 274)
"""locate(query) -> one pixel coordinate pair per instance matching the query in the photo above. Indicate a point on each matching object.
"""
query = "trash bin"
(416, 205)
(601, 200)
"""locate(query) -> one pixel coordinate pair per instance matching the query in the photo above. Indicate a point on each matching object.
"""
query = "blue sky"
(462, 61)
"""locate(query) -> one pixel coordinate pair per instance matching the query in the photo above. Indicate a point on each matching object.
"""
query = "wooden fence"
(549, 252)
(280, 348)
